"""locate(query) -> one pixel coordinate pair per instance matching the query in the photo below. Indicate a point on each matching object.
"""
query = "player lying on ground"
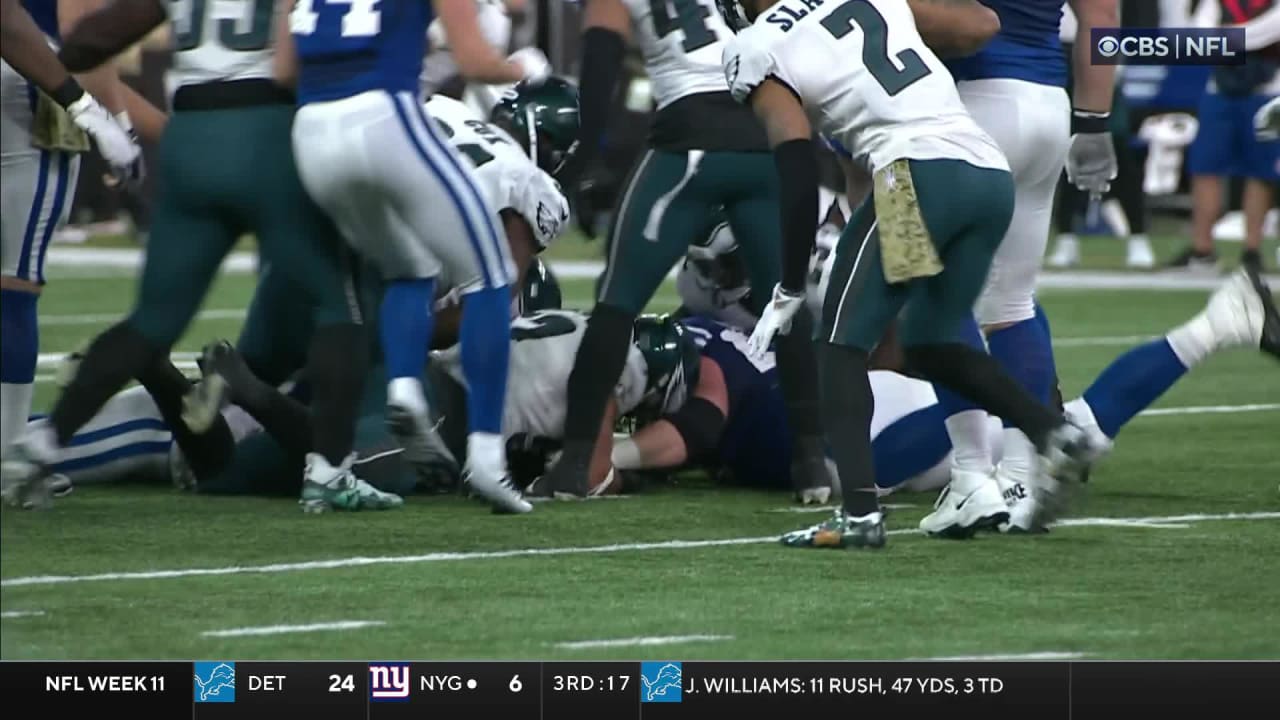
(732, 424)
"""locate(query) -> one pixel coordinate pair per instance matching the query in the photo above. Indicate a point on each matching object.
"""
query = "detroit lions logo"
(663, 682)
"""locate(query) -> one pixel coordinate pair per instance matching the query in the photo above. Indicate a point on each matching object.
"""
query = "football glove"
(1266, 123)
(1091, 162)
(116, 143)
(775, 320)
(534, 63)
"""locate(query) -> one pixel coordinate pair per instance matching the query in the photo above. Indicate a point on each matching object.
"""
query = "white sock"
(15, 407)
(970, 449)
(1019, 458)
(407, 393)
(487, 452)
(1193, 341)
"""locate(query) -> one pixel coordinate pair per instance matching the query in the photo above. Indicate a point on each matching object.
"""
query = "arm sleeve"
(798, 209)
(602, 52)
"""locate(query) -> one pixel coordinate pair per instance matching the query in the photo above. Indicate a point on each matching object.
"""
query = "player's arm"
(523, 246)
(284, 62)
(23, 46)
(606, 29)
(103, 82)
(954, 28)
(108, 31)
(1262, 31)
(148, 120)
(1094, 84)
(601, 471)
(688, 433)
(475, 57)
(794, 155)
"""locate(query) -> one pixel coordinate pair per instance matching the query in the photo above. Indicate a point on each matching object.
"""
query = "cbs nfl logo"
(1167, 46)
(389, 682)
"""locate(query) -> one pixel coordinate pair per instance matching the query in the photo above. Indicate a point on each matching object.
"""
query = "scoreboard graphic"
(667, 689)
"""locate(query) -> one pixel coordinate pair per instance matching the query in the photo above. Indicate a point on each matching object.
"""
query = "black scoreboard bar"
(668, 690)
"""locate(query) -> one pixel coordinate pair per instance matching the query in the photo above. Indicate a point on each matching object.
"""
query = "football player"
(228, 169)
(369, 155)
(706, 155)
(942, 197)
(1013, 89)
(48, 119)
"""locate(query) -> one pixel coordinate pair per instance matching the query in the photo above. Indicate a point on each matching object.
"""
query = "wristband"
(67, 93)
(1087, 121)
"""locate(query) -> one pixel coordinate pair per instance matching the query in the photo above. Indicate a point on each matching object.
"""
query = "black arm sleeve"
(602, 52)
(798, 209)
(105, 33)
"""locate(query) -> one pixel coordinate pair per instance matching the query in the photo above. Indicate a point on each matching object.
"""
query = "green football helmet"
(543, 118)
(671, 361)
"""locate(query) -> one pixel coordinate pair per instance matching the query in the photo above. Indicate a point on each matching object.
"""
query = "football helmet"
(543, 118)
(671, 361)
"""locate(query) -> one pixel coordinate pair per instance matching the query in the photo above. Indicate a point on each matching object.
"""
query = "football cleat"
(1268, 339)
(25, 473)
(1065, 459)
(1138, 253)
(424, 449)
(841, 530)
(810, 475)
(325, 488)
(567, 477)
(497, 489)
(969, 503)
(1022, 508)
(219, 363)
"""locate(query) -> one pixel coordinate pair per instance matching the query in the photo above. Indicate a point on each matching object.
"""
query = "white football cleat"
(1022, 508)
(970, 502)
(1139, 254)
(1238, 311)
(1079, 413)
(25, 473)
(1065, 460)
(1066, 253)
(496, 488)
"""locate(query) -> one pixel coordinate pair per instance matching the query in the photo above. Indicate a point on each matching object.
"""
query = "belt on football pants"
(231, 94)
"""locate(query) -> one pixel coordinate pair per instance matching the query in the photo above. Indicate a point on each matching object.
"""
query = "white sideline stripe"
(242, 262)
(74, 319)
(640, 641)
(54, 359)
(283, 629)
(1101, 341)
(1011, 656)
(1202, 409)
(523, 552)
(10, 614)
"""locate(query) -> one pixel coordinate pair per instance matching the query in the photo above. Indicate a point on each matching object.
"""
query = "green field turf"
(1172, 553)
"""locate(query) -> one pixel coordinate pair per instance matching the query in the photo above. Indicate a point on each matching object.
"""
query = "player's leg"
(753, 217)
(1262, 174)
(1211, 157)
(446, 205)
(662, 207)
(191, 234)
(1240, 313)
(277, 328)
(1030, 123)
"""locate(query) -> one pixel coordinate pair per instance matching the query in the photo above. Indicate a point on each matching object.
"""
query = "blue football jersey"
(1026, 48)
(45, 13)
(755, 445)
(347, 47)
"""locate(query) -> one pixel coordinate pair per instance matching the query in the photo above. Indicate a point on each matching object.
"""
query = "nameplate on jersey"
(906, 250)
(53, 129)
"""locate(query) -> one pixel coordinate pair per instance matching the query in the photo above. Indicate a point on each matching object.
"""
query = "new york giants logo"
(388, 682)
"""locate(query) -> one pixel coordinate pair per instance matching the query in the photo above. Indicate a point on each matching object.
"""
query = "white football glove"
(133, 173)
(775, 320)
(534, 64)
(117, 144)
(1266, 123)
(1091, 162)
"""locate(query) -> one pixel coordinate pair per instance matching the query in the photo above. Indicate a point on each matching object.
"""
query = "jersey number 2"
(875, 48)
(361, 20)
(189, 21)
(691, 17)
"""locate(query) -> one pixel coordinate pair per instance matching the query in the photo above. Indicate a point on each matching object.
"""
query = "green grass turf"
(1191, 589)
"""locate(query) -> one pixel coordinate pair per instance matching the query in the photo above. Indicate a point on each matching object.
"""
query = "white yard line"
(1010, 656)
(1202, 409)
(1102, 341)
(339, 563)
(284, 629)
(80, 319)
(11, 614)
(640, 641)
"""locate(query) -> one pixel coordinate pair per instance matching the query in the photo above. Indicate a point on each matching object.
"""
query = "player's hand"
(1266, 122)
(534, 64)
(135, 172)
(1091, 162)
(775, 320)
(117, 145)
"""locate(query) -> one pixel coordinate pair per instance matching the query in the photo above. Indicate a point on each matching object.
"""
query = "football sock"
(18, 353)
(847, 406)
(337, 362)
(486, 351)
(405, 321)
(1025, 351)
(978, 377)
(798, 376)
(114, 358)
(206, 453)
(1132, 382)
(596, 369)
(966, 422)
